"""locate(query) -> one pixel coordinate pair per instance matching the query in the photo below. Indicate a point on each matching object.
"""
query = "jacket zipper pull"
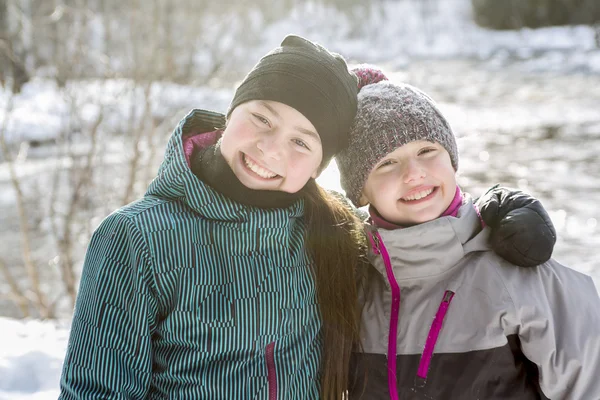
(432, 337)
(374, 239)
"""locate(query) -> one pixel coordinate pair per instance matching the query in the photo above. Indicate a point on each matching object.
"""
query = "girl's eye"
(301, 143)
(426, 150)
(385, 163)
(262, 119)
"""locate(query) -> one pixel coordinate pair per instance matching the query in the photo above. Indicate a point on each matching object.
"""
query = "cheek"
(299, 171)
(235, 135)
(447, 174)
(385, 187)
(303, 159)
(377, 190)
(241, 130)
(450, 188)
(441, 168)
(302, 163)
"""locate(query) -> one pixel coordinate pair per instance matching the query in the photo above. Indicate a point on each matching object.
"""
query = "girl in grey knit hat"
(390, 117)
(444, 316)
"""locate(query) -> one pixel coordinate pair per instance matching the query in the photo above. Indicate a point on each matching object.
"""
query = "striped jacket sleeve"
(559, 329)
(109, 354)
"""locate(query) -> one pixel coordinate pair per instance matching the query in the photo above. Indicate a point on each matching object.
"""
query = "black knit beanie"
(310, 79)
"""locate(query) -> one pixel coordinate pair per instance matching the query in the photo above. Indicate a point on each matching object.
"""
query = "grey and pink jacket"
(444, 317)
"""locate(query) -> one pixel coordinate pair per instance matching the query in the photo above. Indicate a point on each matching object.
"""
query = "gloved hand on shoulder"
(522, 232)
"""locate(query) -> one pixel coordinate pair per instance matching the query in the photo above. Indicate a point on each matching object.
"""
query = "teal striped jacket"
(186, 294)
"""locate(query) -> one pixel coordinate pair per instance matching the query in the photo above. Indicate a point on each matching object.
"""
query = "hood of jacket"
(434, 247)
(176, 181)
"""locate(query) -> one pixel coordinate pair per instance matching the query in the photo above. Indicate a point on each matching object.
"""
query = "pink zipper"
(271, 373)
(433, 335)
(379, 248)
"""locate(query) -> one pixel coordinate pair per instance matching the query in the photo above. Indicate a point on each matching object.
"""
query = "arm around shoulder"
(559, 313)
(109, 351)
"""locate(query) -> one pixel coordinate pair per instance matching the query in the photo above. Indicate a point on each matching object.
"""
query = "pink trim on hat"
(368, 75)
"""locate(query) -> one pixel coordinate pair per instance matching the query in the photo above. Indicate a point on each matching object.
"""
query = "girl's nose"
(270, 146)
(413, 170)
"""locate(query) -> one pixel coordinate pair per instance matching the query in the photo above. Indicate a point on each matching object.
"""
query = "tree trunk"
(10, 55)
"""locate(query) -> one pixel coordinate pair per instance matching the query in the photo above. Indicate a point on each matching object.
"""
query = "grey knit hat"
(389, 116)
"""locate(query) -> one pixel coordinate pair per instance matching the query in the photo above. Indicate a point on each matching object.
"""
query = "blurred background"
(91, 90)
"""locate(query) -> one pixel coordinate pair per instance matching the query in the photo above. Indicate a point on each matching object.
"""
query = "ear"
(363, 200)
(316, 173)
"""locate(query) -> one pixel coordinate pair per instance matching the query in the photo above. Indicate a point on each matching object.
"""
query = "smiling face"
(271, 146)
(413, 184)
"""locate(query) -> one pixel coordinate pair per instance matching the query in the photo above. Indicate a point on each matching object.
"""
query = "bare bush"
(33, 293)
(107, 147)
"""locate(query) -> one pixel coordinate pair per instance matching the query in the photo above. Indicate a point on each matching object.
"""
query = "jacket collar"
(434, 247)
(176, 181)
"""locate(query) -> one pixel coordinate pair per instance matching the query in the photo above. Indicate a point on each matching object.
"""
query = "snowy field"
(31, 355)
(523, 104)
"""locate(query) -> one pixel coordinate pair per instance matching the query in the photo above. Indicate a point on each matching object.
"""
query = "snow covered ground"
(513, 85)
(31, 355)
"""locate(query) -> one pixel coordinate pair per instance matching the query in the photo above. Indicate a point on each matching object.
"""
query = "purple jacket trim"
(271, 373)
(433, 335)
(457, 201)
(199, 140)
(393, 332)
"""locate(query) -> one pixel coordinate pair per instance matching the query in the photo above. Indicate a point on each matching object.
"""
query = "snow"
(31, 356)
(405, 30)
(31, 351)
(396, 35)
(41, 111)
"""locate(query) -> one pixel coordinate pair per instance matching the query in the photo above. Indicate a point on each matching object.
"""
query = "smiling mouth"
(257, 169)
(419, 196)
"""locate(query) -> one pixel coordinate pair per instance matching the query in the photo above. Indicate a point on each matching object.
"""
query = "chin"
(261, 187)
(254, 185)
(291, 190)
(425, 217)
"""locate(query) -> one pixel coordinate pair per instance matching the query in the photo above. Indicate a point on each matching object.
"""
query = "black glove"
(522, 231)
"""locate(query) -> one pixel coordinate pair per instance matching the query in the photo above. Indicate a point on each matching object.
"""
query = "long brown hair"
(336, 242)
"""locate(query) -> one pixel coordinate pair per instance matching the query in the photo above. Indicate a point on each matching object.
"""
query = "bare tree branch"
(30, 267)
(66, 241)
(63, 224)
(16, 293)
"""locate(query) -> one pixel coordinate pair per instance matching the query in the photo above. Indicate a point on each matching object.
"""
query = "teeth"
(418, 195)
(258, 170)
